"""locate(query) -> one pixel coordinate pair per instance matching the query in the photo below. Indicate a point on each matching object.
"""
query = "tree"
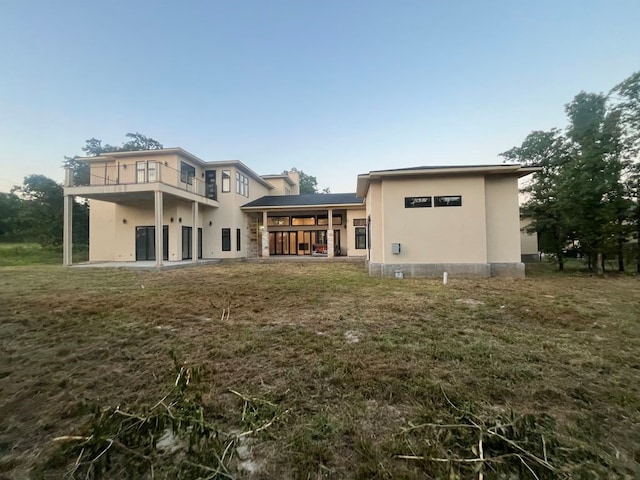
(627, 96)
(308, 183)
(10, 206)
(595, 171)
(40, 216)
(547, 201)
(94, 148)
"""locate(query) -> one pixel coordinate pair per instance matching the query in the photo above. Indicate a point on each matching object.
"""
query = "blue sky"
(334, 88)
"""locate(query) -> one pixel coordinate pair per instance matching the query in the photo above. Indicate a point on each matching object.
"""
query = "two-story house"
(415, 222)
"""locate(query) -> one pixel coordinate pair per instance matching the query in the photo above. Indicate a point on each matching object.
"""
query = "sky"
(334, 87)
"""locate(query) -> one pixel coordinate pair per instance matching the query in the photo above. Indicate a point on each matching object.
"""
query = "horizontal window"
(417, 202)
(448, 201)
(277, 221)
(324, 220)
(303, 221)
(359, 222)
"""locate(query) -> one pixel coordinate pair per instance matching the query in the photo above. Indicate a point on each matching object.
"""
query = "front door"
(146, 243)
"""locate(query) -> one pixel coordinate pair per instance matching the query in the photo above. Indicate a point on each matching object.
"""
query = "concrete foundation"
(435, 270)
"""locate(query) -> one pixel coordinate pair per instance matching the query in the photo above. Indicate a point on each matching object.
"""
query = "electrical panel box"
(395, 248)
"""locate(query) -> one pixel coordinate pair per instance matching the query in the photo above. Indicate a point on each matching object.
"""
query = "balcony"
(123, 181)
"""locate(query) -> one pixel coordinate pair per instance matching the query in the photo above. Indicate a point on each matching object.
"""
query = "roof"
(496, 169)
(305, 200)
(177, 151)
(282, 175)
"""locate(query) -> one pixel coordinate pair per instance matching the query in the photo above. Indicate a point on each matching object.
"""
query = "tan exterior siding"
(503, 219)
(434, 235)
(350, 245)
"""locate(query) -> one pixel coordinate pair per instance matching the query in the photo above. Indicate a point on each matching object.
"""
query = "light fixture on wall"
(171, 219)
(210, 223)
(180, 219)
(124, 220)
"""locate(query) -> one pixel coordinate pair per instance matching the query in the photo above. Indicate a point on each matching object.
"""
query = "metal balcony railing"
(96, 174)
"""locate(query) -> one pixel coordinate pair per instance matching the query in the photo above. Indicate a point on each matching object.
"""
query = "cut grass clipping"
(175, 438)
(172, 438)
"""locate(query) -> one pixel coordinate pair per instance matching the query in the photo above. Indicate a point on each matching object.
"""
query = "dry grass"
(354, 361)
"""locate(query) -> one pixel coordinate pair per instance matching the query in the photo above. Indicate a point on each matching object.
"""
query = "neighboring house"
(529, 252)
(225, 210)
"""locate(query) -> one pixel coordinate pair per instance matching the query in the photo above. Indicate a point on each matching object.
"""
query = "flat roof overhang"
(282, 208)
(113, 156)
(517, 170)
(136, 192)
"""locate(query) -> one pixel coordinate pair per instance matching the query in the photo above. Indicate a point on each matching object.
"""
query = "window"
(226, 239)
(277, 221)
(303, 221)
(238, 235)
(226, 181)
(242, 184)
(141, 172)
(448, 201)
(187, 173)
(417, 202)
(323, 220)
(359, 222)
(146, 172)
(361, 238)
(151, 171)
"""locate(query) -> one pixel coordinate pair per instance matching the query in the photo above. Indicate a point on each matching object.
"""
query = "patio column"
(67, 233)
(330, 251)
(265, 235)
(194, 233)
(158, 224)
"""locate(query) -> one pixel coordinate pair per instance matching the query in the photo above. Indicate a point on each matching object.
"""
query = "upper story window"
(242, 184)
(187, 173)
(323, 220)
(226, 181)
(146, 171)
(277, 221)
(303, 220)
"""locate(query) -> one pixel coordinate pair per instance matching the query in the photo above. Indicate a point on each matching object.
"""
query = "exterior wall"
(280, 186)
(503, 219)
(101, 231)
(528, 242)
(434, 235)
(350, 246)
(373, 204)
(478, 239)
(229, 215)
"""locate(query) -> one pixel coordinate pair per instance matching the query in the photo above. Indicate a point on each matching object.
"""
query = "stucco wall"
(528, 241)
(349, 244)
(503, 219)
(101, 231)
(435, 234)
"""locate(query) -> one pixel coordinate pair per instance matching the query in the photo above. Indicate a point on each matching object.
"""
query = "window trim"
(238, 239)
(226, 180)
(453, 203)
(361, 234)
(226, 239)
(185, 170)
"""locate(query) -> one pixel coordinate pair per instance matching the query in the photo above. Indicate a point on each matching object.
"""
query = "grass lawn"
(14, 254)
(316, 371)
